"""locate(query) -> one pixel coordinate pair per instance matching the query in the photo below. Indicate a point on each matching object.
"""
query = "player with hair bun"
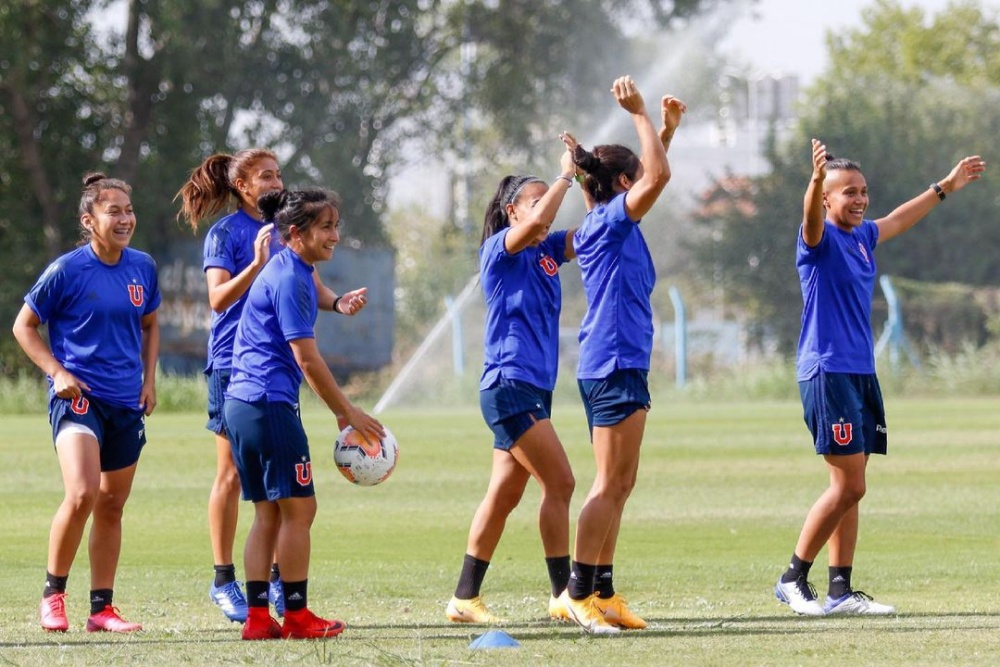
(841, 397)
(519, 260)
(237, 247)
(616, 341)
(274, 348)
(99, 305)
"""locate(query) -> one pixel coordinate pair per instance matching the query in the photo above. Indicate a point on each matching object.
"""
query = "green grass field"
(722, 492)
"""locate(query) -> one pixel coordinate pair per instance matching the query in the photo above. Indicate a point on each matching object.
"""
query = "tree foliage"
(336, 87)
(906, 96)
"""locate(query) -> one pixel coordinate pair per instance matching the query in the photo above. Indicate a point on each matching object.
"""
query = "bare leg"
(106, 529)
(80, 462)
(616, 451)
(507, 483)
(294, 543)
(223, 503)
(847, 487)
(261, 541)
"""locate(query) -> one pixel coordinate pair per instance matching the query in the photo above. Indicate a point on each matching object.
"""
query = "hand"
(352, 302)
(262, 245)
(66, 385)
(567, 166)
(147, 399)
(819, 160)
(363, 422)
(967, 170)
(671, 112)
(628, 95)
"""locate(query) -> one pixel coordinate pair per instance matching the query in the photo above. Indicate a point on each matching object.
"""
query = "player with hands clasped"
(99, 303)
(841, 398)
(519, 260)
(616, 340)
(275, 347)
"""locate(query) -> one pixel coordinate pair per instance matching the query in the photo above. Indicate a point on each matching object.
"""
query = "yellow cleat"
(586, 615)
(616, 612)
(470, 611)
(558, 610)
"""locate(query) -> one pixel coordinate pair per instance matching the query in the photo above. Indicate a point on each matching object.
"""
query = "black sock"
(275, 572)
(54, 584)
(581, 580)
(224, 574)
(295, 594)
(798, 568)
(840, 581)
(471, 579)
(558, 573)
(257, 593)
(604, 582)
(99, 599)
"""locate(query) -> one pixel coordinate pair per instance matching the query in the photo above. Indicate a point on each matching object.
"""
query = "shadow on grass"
(546, 630)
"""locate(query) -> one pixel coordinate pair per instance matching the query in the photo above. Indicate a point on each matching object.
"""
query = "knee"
(227, 480)
(109, 506)
(616, 489)
(80, 501)
(852, 493)
(561, 488)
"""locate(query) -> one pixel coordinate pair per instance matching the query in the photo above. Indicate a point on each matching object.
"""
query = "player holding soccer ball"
(275, 347)
(237, 247)
(519, 260)
(840, 393)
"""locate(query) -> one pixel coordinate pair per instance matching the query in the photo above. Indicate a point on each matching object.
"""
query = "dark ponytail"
(507, 192)
(603, 166)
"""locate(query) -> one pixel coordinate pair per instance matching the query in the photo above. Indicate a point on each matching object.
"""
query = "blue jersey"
(281, 307)
(837, 279)
(94, 316)
(230, 246)
(618, 278)
(523, 300)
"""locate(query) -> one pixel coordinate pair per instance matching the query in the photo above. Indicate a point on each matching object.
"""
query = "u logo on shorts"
(79, 405)
(304, 473)
(843, 433)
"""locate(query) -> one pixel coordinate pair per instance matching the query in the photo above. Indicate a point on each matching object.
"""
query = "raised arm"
(655, 170)
(225, 289)
(544, 211)
(906, 215)
(812, 205)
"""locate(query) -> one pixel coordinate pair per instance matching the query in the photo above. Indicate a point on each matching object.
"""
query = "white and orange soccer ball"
(365, 461)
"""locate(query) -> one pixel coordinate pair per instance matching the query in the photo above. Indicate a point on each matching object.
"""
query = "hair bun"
(92, 177)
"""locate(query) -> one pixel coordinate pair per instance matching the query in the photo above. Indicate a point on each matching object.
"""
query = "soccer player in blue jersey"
(840, 393)
(519, 260)
(275, 347)
(237, 247)
(99, 304)
(616, 340)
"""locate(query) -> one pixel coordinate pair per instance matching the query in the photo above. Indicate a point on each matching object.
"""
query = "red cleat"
(261, 625)
(53, 613)
(303, 624)
(108, 620)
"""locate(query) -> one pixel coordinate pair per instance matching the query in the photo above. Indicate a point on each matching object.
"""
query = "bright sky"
(789, 35)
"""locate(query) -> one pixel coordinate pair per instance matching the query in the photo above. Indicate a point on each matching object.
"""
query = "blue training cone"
(494, 639)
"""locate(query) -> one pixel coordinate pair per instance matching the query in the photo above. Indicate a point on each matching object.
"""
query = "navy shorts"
(121, 432)
(613, 399)
(511, 407)
(844, 413)
(218, 380)
(270, 450)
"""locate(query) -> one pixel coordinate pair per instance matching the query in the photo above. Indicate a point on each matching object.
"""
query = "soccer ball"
(365, 462)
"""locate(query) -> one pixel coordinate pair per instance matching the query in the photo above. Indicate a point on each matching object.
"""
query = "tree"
(335, 86)
(907, 104)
